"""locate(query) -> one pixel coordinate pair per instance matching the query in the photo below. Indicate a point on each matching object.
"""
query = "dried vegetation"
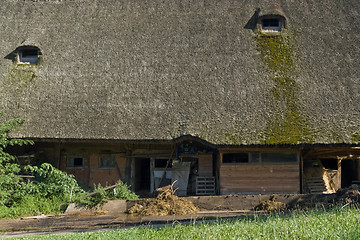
(166, 203)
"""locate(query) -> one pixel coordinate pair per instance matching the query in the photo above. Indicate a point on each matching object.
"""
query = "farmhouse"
(225, 96)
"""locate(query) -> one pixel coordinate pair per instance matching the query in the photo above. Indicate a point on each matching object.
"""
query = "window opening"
(75, 162)
(107, 162)
(161, 163)
(256, 157)
(330, 163)
(235, 158)
(278, 157)
(28, 56)
(272, 24)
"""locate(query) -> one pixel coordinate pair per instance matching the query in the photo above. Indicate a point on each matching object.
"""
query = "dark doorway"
(142, 175)
(194, 169)
(348, 172)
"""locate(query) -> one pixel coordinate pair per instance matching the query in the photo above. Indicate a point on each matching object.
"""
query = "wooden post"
(128, 171)
(301, 173)
(217, 172)
(339, 172)
(132, 174)
(152, 180)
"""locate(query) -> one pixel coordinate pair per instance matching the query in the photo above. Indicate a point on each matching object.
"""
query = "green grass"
(326, 224)
(33, 205)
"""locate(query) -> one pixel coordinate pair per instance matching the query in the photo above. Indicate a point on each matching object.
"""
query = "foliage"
(8, 167)
(120, 192)
(123, 192)
(46, 194)
(49, 193)
(53, 182)
(340, 223)
(33, 205)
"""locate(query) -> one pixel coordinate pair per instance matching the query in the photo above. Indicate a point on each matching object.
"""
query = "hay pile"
(164, 204)
(271, 205)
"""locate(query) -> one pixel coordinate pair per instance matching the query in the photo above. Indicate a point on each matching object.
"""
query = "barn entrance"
(142, 175)
(349, 172)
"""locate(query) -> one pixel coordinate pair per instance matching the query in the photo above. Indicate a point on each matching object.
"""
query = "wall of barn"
(92, 170)
(246, 177)
(259, 178)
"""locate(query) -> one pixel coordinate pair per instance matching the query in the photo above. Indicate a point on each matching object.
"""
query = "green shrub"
(120, 192)
(123, 192)
(9, 180)
(52, 182)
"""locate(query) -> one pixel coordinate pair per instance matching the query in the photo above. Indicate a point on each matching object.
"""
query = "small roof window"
(25, 55)
(271, 23)
(29, 55)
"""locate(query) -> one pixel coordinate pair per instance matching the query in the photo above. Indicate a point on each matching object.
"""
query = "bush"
(101, 196)
(52, 181)
(9, 180)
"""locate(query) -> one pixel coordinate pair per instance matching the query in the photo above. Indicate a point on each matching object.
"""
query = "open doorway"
(194, 169)
(349, 173)
(142, 175)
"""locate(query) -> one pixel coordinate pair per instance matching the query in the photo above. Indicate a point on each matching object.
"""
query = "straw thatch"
(140, 70)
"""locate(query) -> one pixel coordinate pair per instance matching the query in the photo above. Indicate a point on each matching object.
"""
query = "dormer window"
(271, 24)
(28, 55)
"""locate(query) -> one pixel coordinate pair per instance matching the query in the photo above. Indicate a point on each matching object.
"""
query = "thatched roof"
(136, 69)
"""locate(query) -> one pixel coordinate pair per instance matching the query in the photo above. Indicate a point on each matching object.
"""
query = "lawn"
(339, 223)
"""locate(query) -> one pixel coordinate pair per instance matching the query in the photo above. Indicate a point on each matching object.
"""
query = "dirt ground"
(115, 213)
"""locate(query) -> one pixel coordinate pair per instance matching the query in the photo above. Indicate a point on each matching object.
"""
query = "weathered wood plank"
(205, 165)
(259, 178)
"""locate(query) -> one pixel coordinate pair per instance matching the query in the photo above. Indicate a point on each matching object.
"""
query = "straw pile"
(166, 203)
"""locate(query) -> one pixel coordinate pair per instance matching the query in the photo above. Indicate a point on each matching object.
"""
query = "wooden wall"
(259, 178)
(205, 165)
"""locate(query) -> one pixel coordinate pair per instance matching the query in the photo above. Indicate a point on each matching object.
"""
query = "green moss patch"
(286, 124)
(21, 76)
(356, 137)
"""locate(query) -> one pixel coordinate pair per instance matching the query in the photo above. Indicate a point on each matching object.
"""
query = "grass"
(33, 205)
(321, 224)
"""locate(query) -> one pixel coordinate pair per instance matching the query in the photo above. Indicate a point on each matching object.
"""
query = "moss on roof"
(160, 69)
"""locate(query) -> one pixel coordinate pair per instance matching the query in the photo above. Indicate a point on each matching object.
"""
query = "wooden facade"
(259, 178)
(211, 170)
